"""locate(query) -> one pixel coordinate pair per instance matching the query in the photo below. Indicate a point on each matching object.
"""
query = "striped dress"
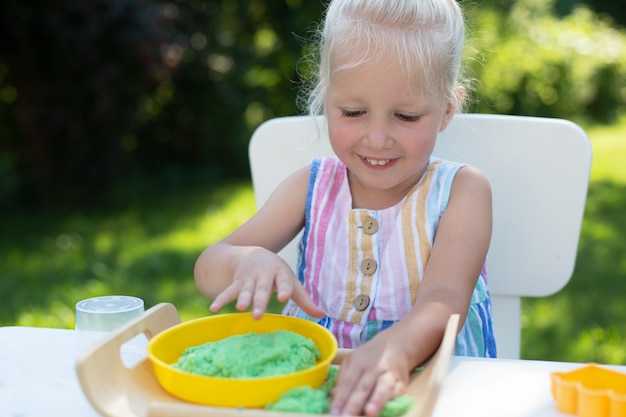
(364, 267)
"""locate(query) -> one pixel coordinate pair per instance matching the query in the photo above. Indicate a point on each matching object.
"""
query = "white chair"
(539, 173)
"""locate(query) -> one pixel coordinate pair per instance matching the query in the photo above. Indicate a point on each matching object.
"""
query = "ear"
(452, 107)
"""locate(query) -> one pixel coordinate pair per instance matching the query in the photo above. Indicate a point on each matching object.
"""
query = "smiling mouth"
(376, 162)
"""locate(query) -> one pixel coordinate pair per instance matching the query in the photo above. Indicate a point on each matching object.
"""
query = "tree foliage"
(72, 74)
(94, 92)
(528, 61)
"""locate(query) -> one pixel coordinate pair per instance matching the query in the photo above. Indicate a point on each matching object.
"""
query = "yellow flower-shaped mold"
(590, 391)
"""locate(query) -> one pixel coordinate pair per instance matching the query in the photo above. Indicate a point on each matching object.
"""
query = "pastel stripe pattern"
(341, 259)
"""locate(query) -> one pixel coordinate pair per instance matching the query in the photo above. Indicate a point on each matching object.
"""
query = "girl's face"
(383, 129)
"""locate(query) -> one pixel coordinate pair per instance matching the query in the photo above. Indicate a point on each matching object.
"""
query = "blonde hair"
(428, 37)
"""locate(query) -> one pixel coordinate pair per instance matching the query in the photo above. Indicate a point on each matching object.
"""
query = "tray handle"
(112, 388)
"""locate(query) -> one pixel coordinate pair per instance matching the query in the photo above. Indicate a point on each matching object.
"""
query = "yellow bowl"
(165, 349)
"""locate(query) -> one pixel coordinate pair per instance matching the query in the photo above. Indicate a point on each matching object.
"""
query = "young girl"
(394, 239)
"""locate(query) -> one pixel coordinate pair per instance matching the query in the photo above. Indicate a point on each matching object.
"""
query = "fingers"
(367, 397)
(385, 389)
(285, 286)
(243, 292)
(245, 295)
(256, 291)
(262, 293)
(307, 305)
(225, 297)
(365, 392)
(345, 396)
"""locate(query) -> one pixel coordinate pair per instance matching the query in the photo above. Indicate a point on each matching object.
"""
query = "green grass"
(145, 247)
(586, 321)
(146, 241)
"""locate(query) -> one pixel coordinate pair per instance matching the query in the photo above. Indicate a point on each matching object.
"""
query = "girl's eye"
(407, 117)
(352, 113)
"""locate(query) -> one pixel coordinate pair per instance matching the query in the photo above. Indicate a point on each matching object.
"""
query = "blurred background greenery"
(124, 127)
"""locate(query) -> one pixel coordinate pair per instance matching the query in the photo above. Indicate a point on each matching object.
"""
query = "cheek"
(340, 133)
(421, 142)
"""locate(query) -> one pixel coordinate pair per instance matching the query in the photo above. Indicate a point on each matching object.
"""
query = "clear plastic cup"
(97, 317)
(107, 313)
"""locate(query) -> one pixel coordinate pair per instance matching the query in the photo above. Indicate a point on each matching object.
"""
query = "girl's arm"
(457, 257)
(379, 370)
(244, 265)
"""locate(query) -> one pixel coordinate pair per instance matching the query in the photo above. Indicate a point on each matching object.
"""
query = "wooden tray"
(115, 390)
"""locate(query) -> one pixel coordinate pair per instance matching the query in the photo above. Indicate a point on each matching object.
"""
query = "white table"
(38, 379)
(37, 374)
(37, 371)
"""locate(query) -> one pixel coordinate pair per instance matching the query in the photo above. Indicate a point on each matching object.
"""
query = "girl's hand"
(373, 374)
(259, 273)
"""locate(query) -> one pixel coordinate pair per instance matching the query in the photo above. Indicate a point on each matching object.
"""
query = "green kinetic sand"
(251, 355)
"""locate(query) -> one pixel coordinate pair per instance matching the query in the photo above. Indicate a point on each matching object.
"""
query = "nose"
(378, 135)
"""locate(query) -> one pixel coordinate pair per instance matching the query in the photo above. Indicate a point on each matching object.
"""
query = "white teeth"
(378, 161)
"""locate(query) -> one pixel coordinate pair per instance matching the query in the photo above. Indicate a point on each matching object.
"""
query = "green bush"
(98, 92)
(72, 76)
(103, 90)
(527, 61)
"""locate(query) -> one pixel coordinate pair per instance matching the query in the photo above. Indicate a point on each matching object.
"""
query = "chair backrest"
(539, 173)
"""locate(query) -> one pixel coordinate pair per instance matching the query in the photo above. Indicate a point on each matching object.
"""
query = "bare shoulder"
(471, 182)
